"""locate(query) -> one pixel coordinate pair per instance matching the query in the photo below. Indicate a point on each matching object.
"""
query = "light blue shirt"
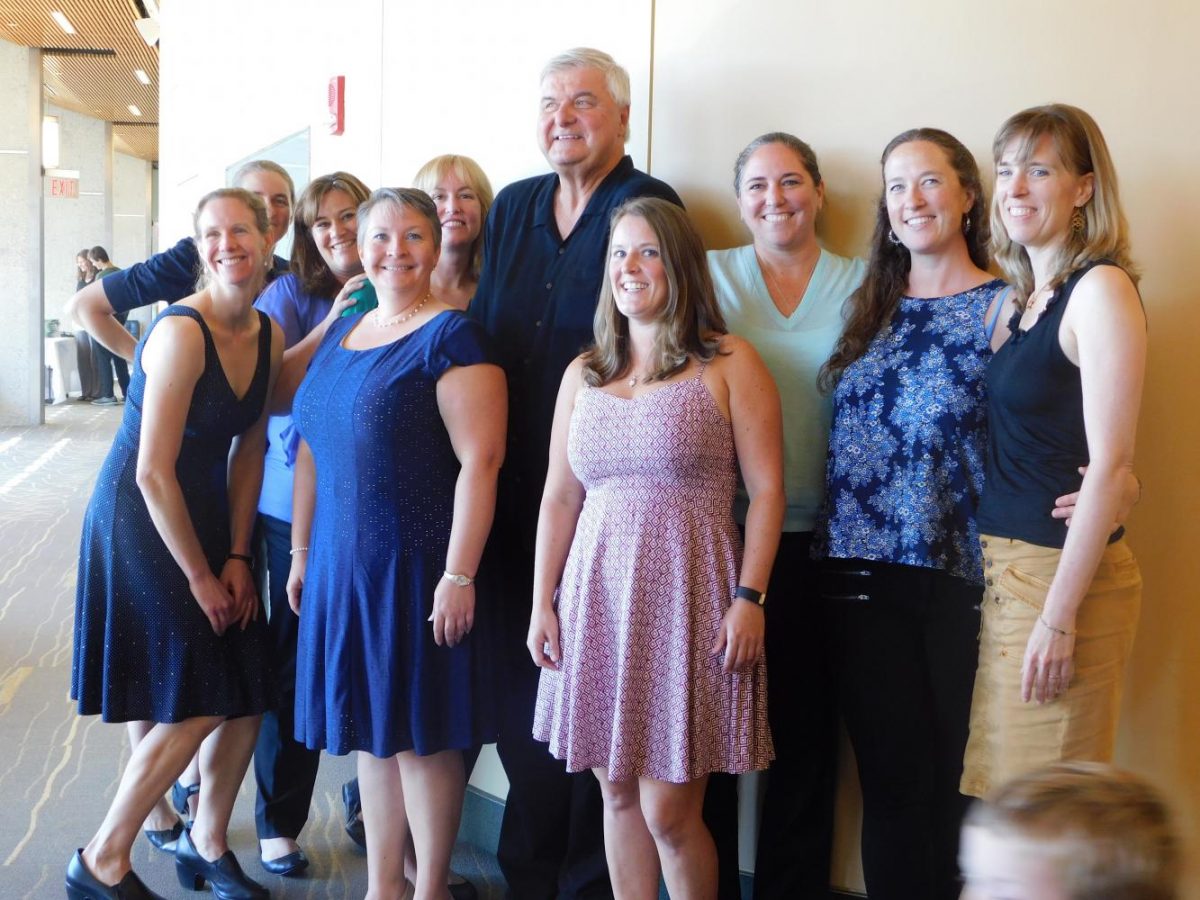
(794, 348)
(297, 313)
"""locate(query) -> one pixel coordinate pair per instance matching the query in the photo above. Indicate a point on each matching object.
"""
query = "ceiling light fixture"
(133, 109)
(141, 76)
(148, 29)
(63, 22)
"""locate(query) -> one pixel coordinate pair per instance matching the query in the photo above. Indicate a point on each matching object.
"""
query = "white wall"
(20, 236)
(461, 77)
(72, 223)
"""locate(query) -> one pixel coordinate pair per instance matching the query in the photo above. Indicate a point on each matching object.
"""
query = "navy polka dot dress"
(144, 650)
(368, 673)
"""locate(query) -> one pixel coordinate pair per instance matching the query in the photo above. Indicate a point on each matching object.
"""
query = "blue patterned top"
(907, 448)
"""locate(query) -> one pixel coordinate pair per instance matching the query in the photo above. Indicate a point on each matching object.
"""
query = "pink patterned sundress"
(651, 571)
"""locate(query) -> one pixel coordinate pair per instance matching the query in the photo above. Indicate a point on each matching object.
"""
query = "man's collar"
(544, 213)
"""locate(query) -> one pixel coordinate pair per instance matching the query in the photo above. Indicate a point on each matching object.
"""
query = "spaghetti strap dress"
(144, 650)
(652, 569)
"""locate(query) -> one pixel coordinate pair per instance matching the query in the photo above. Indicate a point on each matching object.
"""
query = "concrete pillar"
(21, 338)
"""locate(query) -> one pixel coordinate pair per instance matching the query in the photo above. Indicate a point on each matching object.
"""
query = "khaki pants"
(1009, 737)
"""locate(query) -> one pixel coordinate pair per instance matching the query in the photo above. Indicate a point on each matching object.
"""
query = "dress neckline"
(404, 337)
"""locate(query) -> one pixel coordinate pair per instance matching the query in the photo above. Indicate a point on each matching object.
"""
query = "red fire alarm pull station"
(337, 104)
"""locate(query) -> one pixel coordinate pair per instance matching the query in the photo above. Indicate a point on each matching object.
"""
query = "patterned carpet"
(58, 771)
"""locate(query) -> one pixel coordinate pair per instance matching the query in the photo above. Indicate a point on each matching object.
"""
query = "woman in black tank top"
(1060, 606)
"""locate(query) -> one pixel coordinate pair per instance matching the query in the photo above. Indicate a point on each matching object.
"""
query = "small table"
(60, 357)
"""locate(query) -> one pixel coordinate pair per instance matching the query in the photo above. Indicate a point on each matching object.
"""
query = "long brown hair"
(870, 307)
(691, 323)
(1082, 148)
(307, 263)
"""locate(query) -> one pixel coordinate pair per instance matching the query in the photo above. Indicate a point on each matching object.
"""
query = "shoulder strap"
(1001, 299)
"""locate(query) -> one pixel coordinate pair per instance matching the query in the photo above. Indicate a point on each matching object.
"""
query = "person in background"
(165, 563)
(1071, 831)
(463, 196)
(785, 295)
(402, 418)
(647, 620)
(1061, 605)
(85, 274)
(326, 269)
(902, 572)
(171, 275)
(104, 361)
(537, 292)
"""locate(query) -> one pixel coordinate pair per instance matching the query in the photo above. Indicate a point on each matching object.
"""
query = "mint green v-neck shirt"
(794, 348)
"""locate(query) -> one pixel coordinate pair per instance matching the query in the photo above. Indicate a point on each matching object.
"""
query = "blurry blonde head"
(1073, 831)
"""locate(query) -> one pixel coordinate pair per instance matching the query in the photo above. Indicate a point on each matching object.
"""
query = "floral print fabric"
(907, 446)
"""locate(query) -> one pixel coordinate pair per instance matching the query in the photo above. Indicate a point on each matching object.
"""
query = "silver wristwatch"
(460, 580)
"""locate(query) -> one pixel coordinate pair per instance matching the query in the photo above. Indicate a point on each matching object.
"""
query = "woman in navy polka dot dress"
(166, 626)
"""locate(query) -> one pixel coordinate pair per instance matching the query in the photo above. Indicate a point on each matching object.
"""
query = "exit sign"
(64, 187)
(63, 183)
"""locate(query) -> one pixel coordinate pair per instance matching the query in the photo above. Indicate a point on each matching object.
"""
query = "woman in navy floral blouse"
(904, 475)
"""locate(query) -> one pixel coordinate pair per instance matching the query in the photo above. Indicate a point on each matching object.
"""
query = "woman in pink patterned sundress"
(647, 618)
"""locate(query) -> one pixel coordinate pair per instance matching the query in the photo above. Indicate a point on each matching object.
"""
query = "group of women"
(914, 427)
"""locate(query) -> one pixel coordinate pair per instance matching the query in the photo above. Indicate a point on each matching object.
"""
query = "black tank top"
(1036, 437)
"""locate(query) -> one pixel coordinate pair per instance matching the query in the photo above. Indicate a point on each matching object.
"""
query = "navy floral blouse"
(909, 437)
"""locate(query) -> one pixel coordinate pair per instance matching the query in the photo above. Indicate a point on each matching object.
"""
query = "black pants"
(907, 644)
(284, 768)
(104, 363)
(796, 830)
(552, 834)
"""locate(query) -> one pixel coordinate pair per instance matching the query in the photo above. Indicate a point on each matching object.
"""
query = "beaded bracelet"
(296, 550)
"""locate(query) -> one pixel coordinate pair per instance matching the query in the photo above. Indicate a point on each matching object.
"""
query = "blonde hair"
(469, 173)
(1081, 147)
(1107, 832)
(257, 208)
(691, 323)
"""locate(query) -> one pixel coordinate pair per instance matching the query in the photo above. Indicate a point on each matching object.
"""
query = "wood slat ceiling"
(99, 85)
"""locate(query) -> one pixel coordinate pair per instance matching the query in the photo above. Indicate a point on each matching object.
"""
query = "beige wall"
(461, 77)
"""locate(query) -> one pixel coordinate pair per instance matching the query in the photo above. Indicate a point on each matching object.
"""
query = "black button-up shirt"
(536, 297)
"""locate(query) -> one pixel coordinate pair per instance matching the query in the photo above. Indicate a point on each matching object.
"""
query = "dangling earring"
(1078, 223)
(966, 224)
(892, 237)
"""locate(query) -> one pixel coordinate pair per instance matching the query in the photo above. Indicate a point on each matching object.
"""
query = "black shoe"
(355, 828)
(228, 880)
(179, 799)
(165, 840)
(286, 866)
(83, 885)
(462, 890)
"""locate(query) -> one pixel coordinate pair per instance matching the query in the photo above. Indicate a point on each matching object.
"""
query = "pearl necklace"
(401, 317)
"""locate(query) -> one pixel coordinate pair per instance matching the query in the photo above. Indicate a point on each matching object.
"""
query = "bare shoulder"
(736, 354)
(175, 344)
(1105, 293)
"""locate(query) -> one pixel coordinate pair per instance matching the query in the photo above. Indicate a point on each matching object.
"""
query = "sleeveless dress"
(368, 673)
(651, 572)
(144, 650)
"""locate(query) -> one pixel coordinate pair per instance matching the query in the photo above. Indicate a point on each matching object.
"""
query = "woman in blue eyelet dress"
(897, 527)
(402, 424)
